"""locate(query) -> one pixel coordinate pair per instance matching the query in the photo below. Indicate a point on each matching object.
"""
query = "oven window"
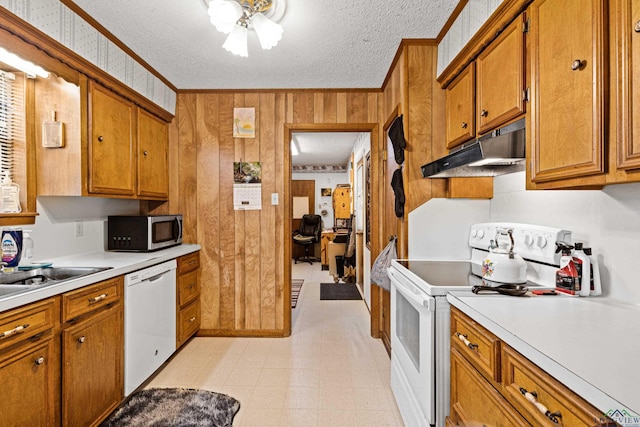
(408, 328)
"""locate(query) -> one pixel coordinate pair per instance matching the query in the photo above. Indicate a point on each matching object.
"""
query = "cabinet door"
(567, 85)
(628, 36)
(461, 107)
(474, 401)
(92, 372)
(153, 145)
(500, 79)
(29, 381)
(111, 162)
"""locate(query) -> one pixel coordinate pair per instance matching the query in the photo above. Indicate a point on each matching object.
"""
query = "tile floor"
(329, 372)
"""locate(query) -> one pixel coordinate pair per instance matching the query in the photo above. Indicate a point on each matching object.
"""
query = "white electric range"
(420, 312)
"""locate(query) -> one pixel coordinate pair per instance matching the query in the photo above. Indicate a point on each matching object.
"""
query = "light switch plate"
(274, 198)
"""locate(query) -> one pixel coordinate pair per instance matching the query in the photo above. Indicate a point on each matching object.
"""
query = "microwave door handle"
(177, 220)
(410, 293)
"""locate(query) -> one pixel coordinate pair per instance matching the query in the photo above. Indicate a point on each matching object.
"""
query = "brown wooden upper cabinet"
(111, 153)
(461, 107)
(153, 162)
(500, 78)
(566, 132)
(490, 91)
(628, 35)
(113, 148)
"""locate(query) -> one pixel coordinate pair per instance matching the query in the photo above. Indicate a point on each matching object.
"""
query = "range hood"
(500, 152)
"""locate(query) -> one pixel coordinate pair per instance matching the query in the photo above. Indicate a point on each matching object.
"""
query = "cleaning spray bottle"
(596, 286)
(582, 260)
(567, 279)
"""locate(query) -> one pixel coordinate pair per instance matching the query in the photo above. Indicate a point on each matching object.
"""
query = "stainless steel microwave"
(143, 233)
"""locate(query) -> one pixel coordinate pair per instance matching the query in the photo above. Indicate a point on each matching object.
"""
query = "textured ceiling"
(323, 148)
(326, 44)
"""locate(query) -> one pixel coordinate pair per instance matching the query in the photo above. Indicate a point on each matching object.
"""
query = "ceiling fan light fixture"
(236, 42)
(224, 14)
(269, 33)
(238, 16)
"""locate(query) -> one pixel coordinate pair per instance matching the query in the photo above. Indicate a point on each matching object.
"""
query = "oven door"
(412, 350)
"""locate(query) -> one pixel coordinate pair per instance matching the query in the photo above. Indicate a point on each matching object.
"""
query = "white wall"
(54, 233)
(607, 220)
(324, 180)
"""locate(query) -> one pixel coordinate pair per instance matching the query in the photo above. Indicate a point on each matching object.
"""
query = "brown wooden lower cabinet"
(30, 365)
(92, 373)
(29, 375)
(93, 355)
(474, 401)
(487, 395)
(188, 298)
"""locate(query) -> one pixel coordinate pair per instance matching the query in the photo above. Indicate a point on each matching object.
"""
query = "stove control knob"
(480, 234)
(474, 233)
(528, 240)
(541, 242)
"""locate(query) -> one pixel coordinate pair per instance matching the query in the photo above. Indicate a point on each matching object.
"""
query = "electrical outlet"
(274, 198)
(79, 229)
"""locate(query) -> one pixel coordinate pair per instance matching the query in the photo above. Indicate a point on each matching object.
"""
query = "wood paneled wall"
(244, 282)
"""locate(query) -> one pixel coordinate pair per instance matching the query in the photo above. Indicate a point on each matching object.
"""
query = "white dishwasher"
(149, 322)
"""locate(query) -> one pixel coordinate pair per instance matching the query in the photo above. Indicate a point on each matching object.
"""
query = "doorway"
(324, 203)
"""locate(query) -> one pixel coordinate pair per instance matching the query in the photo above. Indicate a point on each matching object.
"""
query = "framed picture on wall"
(325, 192)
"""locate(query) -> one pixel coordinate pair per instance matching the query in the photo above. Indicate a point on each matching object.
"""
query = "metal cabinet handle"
(533, 398)
(464, 125)
(98, 298)
(82, 339)
(100, 138)
(578, 64)
(39, 360)
(484, 113)
(15, 330)
(145, 152)
(193, 319)
(466, 342)
(636, 27)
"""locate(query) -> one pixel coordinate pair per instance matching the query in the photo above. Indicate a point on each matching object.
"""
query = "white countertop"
(121, 263)
(591, 345)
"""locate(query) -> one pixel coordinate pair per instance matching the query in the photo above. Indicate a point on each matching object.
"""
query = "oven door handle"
(411, 292)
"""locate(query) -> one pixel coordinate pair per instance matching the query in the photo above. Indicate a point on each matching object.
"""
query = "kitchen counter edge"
(588, 391)
(120, 263)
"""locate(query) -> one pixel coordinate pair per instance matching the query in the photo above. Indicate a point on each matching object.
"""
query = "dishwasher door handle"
(157, 276)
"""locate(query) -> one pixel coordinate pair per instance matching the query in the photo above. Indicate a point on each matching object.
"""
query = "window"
(12, 133)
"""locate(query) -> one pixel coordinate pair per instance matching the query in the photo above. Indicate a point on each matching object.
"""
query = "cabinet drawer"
(479, 346)
(474, 401)
(188, 263)
(188, 322)
(520, 375)
(90, 298)
(19, 324)
(188, 289)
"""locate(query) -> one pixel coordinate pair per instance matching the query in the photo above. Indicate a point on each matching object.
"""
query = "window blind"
(11, 121)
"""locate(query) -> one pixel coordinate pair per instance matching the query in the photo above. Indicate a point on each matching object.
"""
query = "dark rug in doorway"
(339, 291)
(296, 287)
(165, 407)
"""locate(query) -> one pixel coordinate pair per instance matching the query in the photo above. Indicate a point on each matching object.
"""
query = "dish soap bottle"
(10, 195)
(11, 248)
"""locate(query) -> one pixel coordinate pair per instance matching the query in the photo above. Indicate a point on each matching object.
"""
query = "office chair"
(307, 235)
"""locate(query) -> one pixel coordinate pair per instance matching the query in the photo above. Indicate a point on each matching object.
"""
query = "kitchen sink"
(45, 276)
